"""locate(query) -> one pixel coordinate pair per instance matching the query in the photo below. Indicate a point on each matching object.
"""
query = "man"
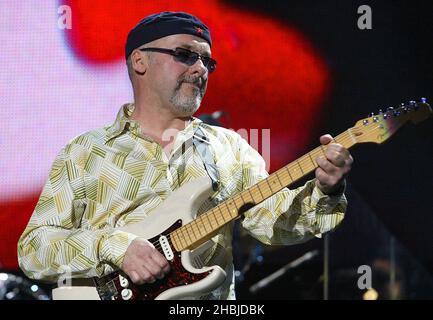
(117, 175)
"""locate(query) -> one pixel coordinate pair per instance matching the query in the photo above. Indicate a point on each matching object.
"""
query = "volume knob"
(126, 294)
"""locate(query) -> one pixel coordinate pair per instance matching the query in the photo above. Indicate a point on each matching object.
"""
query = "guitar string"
(342, 139)
(345, 138)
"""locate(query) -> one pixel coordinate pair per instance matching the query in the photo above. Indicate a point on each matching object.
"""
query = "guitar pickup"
(166, 248)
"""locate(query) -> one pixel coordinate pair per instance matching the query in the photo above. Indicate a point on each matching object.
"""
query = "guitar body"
(184, 281)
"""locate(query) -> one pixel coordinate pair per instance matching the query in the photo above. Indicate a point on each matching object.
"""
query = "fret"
(197, 232)
(312, 161)
(174, 240)
(261, 194)
(300, 167)
(207, 215)
(252, 197)
(180, 235)
(238, 201)
(264, 188)
(200, 221)
(277, 174)
(191, 233)
(232, 209)
(294, 172)
(185, 234)
(221, 214)
(268, 184)
(212, 215)
(316, 153)
(272, 183)
(181, 241)
(242, 197)
(246, 196)
(288, 171)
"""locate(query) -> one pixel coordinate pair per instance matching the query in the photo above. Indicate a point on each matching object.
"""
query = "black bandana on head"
(164, 24)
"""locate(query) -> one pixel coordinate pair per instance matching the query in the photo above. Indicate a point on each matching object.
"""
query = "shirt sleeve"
(54, 244)
(289, 216)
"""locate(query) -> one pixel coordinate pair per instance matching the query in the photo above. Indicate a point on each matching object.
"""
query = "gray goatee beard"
(188, 105)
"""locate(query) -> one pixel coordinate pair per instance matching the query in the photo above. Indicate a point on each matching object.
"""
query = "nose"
(199, 68)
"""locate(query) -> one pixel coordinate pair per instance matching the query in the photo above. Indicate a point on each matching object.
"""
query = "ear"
(139, 62)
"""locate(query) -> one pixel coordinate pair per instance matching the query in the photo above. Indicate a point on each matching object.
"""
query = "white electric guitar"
(175, 230)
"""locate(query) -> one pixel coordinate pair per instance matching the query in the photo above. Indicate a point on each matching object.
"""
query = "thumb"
(325, 139)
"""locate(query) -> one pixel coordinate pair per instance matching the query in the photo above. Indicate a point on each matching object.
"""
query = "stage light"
(370, 294)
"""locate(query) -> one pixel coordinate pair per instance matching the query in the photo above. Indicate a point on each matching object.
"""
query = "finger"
(134, 276)
(146, 275)
(138, 277)
(154, 269)
(322, 177)
(336, 158)
(339, 148)
(326, 180)
(325, 139)
(326, 165)
(161, 262)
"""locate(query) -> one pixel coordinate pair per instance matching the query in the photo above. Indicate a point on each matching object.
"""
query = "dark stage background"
(298, 68)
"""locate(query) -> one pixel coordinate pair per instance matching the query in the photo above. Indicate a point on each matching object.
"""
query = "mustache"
(200, 82)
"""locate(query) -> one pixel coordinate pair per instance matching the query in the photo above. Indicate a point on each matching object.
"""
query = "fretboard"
(196, 232)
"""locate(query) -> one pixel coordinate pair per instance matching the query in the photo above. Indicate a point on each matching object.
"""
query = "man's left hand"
(334, 166)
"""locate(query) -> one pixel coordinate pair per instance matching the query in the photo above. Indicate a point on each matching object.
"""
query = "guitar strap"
(202, 145)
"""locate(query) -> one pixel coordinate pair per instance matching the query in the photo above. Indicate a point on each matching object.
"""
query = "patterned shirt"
(113, 176)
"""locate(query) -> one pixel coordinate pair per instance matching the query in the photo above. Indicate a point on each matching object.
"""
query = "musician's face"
(180, 86)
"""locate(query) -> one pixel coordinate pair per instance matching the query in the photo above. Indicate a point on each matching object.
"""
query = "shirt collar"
(123, 123)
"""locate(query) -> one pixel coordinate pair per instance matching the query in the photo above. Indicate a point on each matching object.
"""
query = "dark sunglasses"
(186, 56)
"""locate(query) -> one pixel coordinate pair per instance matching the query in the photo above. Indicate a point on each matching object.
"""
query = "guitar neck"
(206, 225)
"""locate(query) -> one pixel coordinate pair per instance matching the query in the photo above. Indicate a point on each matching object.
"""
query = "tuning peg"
(423, 100)
(380, 111)
(390, 109)
(371, 114)
(365, 122)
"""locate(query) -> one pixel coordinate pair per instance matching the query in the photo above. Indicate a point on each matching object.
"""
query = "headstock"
(379, 128)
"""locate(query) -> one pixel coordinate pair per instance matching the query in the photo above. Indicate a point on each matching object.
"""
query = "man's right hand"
(143, 263)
